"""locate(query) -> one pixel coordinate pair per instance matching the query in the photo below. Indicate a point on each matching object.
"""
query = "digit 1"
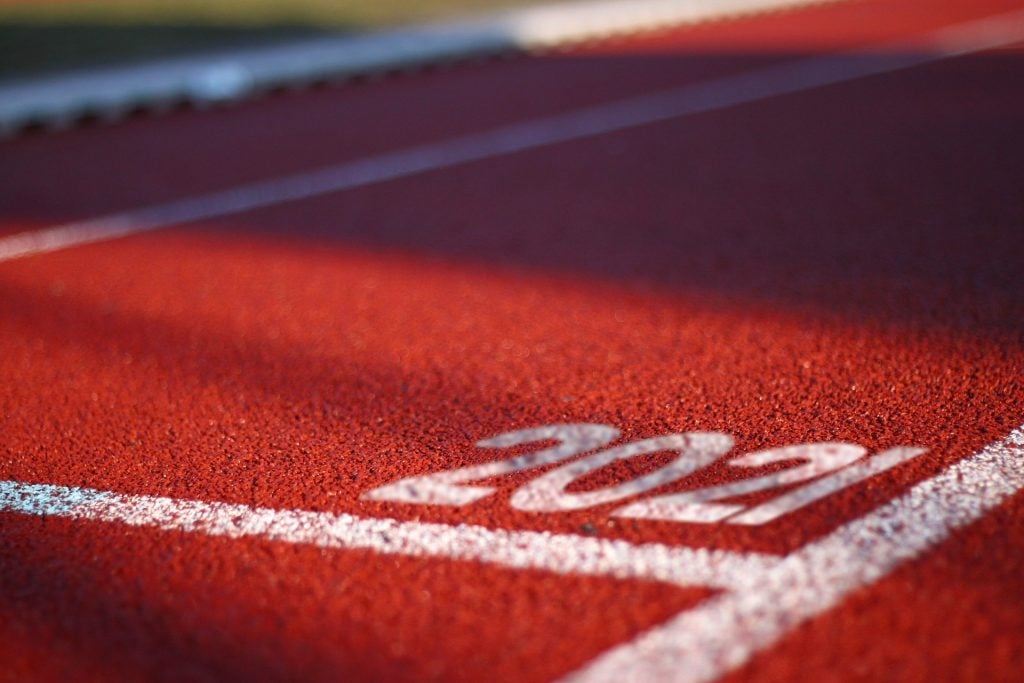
(697, 505)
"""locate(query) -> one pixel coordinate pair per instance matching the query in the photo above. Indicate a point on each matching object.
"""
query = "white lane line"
(559, 553)
(724, 632)
(763, 597)
(584, 123)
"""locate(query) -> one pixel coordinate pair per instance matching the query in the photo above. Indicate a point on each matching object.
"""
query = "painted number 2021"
(820, 469)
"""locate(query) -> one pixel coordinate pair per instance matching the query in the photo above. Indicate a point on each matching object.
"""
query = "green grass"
(47, 35)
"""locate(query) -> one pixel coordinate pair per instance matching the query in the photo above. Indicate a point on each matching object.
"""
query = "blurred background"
(45, 36)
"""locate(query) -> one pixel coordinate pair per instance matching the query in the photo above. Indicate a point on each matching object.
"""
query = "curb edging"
(108, 94)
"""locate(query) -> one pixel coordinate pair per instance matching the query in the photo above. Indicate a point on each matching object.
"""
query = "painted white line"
(559, 553)
(763, 597)
(231, 75)
(727, 630)
(580, 124)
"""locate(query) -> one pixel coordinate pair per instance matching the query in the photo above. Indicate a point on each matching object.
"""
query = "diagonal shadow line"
(276, 380)
(48, 584)
(112, 333)
(927, 236)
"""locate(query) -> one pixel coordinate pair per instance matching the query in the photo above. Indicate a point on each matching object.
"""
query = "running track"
(790, 248)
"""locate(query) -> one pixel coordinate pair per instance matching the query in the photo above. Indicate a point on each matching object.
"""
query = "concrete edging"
(109, 93)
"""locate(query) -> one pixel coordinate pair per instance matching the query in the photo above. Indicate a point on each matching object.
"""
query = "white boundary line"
(726, 631)
(764, 596)
(580, 124)
(559, 553)
(111, 92)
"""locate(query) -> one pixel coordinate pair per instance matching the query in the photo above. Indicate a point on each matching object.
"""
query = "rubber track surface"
(842, 264)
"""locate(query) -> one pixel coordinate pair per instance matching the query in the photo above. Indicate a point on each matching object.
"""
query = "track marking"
(789, 78)
(816, 490)
(727, 630)
(843, 463)
(764, 596)
(558, 553)
(451, 487)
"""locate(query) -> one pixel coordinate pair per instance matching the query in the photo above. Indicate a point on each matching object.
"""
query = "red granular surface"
(955, 615)
(838, 265)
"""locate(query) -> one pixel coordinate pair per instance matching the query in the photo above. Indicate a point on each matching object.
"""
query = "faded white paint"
(762, 597)
(725, 631)
(559, 553)
(694, 450)
(450, 487)
(816, 490)
(698, 505)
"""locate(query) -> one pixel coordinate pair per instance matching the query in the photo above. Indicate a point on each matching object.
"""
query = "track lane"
(159, 159)
(289, 354)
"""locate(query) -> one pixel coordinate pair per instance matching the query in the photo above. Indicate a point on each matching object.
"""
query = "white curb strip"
(752, 86)
(109, 93)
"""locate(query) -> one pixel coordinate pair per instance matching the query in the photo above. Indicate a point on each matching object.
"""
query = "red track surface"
(838, 265)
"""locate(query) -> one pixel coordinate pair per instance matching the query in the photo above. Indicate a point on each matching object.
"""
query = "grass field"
(45, 36)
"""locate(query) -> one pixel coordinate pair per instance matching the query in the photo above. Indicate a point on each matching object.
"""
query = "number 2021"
(821, 469)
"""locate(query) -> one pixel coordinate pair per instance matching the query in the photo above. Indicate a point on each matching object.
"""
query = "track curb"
(109, 94)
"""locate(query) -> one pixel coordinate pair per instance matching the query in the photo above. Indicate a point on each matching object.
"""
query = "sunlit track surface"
(690, 356)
